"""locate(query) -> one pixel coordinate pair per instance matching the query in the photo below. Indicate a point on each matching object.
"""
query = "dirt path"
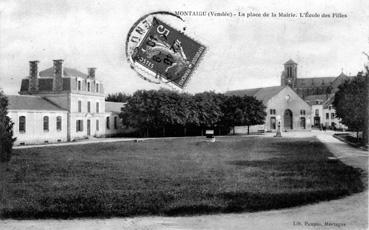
(347, 213)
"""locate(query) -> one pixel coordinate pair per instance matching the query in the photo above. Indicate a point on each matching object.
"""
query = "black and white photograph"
(184, 115)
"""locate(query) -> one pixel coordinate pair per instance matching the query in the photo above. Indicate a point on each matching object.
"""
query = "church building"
(283, 106)
(62, 104)
(298, 103)
(317, 91)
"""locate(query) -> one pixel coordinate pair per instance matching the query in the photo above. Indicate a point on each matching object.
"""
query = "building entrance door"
(288, 119)
(303, 122)
(273, 123)
(316, 121)
(88, 127)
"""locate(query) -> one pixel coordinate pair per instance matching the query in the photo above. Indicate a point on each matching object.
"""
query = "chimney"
(33, 75)
(91, 72)
(58, 75)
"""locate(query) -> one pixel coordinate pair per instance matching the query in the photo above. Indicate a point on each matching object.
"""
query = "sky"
(241, 52)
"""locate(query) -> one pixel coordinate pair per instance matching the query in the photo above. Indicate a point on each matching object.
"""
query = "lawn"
(183, 176)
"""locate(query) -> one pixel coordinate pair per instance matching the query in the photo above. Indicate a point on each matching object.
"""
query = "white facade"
(283, 107)
(73, 99)
(35, 130)
(325, 115)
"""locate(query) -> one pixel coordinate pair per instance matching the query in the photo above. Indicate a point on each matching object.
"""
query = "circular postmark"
(160, 52)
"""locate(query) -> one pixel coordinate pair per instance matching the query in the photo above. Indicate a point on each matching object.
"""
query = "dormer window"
(97, 87)
(79, 83)
(88, 86)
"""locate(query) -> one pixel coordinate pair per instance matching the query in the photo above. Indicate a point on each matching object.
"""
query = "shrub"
(6, 130)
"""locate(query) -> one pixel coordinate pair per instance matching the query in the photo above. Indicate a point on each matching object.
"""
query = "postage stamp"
(166, 54)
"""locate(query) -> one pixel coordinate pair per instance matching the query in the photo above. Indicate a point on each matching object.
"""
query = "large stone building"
(317, 91)
(62, 104)
(283, 107)
(298, 103)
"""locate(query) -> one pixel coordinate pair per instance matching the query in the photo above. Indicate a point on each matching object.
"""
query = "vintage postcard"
(178, 114)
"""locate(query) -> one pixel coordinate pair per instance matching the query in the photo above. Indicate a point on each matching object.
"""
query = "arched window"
(58, 123)
(46, 123)
(22, 124)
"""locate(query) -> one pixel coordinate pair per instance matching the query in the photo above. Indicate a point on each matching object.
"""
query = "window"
(88, 107)
(22, 124)
(79, 85)
(317, 112)
(330, 107)
(302, 112)
(108, 122)
(97, 107)
(46, 123)
(289, 72)
(115, 122)
(79, 106)
(327, 116)
(97, 87)
(97, 125)
(332, 115)
(272, 112)
(79, 125)
(58, 123)
(88, 86)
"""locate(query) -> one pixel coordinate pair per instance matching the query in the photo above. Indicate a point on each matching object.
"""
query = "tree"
(255, 112)
(208, 109)
(232, 112)
(139, 111)
(243, 111)
(351, 104)
(6, 130)
(117, 97)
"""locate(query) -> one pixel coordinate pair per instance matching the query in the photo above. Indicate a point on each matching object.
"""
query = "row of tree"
(167, 112)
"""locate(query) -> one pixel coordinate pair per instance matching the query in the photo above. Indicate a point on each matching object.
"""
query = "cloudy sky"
(241, 52)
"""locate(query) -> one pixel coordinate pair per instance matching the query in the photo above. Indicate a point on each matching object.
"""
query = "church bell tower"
(289, 74)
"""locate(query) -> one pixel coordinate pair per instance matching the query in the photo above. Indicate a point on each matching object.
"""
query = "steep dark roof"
(289, 62)
(341, 79)
(114, 107)
(311, 99)
(67, 72)
(263, 94)
(26, 102)
(329, 101)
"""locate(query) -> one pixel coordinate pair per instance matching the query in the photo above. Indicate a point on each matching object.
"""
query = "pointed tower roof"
(290, 62)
